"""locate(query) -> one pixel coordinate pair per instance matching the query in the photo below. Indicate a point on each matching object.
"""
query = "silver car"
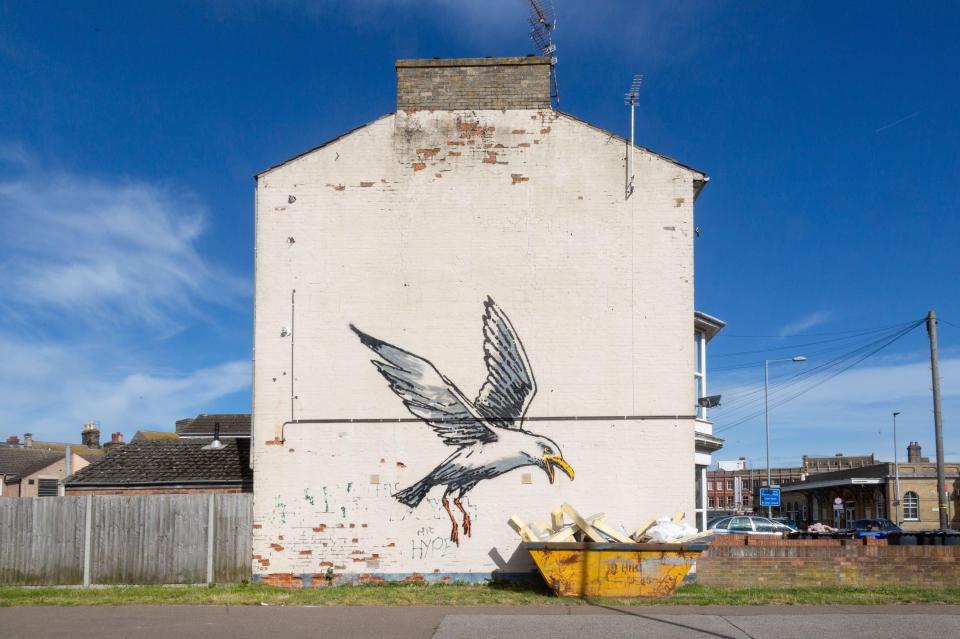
(749, 525)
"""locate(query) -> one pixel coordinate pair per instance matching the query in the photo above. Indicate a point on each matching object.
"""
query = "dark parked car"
(878, 528)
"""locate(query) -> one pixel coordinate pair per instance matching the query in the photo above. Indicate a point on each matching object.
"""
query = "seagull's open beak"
(549, 461)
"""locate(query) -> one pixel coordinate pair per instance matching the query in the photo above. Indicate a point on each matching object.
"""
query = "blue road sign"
(770, 496)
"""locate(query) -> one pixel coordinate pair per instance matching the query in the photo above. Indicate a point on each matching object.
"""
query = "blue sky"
(129, 135)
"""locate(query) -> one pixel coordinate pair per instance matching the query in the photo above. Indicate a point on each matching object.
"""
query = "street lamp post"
(896, 471)
(766, 410)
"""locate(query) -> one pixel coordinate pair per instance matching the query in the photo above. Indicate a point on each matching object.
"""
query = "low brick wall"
(743, 562)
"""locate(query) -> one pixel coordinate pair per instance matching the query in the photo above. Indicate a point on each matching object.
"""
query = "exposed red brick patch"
(276, 441)
(337, 187)
(401, 465)
(354, 540)
(291, 450)
(366, 184)
(499, 146)
(419, 166)
(518, 131)
(409, 111)
(357, 552)
(545, 130)
(282, 580)
(437, 175)
(488, 145)
(263, 562)
(363, 525)
(454, 153)
(257, 526)
(456, 143)
(280, 537)
(353, 525)
(491, 157)
(415, 578)
(306, 552)
(277, 547)
(523, 145)
(518, 178)
(579, 197)
(367, 578)
(536, 141)
(320, 528)
(326, 564)
(392, 544)
(428, 153)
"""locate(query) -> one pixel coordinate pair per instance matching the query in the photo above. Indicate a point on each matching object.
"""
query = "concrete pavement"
(448, 622)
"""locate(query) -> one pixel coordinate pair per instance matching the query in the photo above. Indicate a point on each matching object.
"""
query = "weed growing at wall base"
(453, 595)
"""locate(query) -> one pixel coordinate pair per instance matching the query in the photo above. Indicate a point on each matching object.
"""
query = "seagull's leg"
(466, 517)
(455, 535)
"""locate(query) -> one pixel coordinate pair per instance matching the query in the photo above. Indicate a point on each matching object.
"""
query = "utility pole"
(937, 420)
(896, 466)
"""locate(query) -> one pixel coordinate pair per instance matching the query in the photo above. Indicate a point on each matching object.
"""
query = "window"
(709, 485)
(699, 382)
(729, 484)
(729, 501)
(741, 524)
(710, 502)
(911, 506)
(47, 488)
(746, 484)
(815, 509)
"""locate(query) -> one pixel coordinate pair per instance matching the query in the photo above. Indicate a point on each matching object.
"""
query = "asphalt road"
(553, 622)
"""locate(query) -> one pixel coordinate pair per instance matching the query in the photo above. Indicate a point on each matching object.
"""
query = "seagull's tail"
(413, 495)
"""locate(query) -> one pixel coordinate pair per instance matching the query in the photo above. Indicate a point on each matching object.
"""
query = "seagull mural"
(488, 432)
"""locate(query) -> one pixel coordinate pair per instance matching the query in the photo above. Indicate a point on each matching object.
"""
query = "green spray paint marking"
(282, 507)
(326, 504)
(349, 486)
(308, 496)
(343, 512)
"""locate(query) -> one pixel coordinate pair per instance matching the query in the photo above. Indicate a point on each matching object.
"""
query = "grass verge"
(452, 595)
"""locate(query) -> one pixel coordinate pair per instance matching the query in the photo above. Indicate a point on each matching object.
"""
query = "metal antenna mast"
(630, 99)
(543, 22)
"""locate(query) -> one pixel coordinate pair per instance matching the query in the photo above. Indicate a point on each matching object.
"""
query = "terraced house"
(467, 309)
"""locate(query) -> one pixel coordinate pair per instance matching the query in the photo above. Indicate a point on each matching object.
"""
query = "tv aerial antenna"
(630, 98)
(543, 22)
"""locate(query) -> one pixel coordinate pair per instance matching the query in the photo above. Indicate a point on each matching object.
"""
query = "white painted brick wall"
(403, 228)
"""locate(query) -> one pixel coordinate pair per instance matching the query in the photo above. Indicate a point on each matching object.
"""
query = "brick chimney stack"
(913, 454)
(473, 83)
(90, 435)
(28, 440)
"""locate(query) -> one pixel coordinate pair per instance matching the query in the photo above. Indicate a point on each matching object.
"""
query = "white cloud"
(850, 413)
(94, 273)
(805, 323)
(52, 389)
(105, 251)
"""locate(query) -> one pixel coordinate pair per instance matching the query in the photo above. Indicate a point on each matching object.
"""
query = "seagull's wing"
(428, 394)
(509, 388)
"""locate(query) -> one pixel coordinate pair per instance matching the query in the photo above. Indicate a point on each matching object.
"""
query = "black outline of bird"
(488, 432)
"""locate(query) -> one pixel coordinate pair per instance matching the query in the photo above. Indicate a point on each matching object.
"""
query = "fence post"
(210, 532)
(87, 540)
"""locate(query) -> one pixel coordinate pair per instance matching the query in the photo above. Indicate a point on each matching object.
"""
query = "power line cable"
(827, 378)
(809, 372)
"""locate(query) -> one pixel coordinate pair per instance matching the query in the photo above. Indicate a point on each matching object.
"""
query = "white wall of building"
(403, 228)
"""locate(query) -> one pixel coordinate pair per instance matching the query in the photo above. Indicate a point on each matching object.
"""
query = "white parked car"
(750, 525)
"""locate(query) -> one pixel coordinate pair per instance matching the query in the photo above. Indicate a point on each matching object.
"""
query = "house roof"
(231, 425)
(20, 462)
(90, 454)
(169, 461)
(141, 435)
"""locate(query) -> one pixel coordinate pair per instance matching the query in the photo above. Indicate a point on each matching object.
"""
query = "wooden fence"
(155, 539)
